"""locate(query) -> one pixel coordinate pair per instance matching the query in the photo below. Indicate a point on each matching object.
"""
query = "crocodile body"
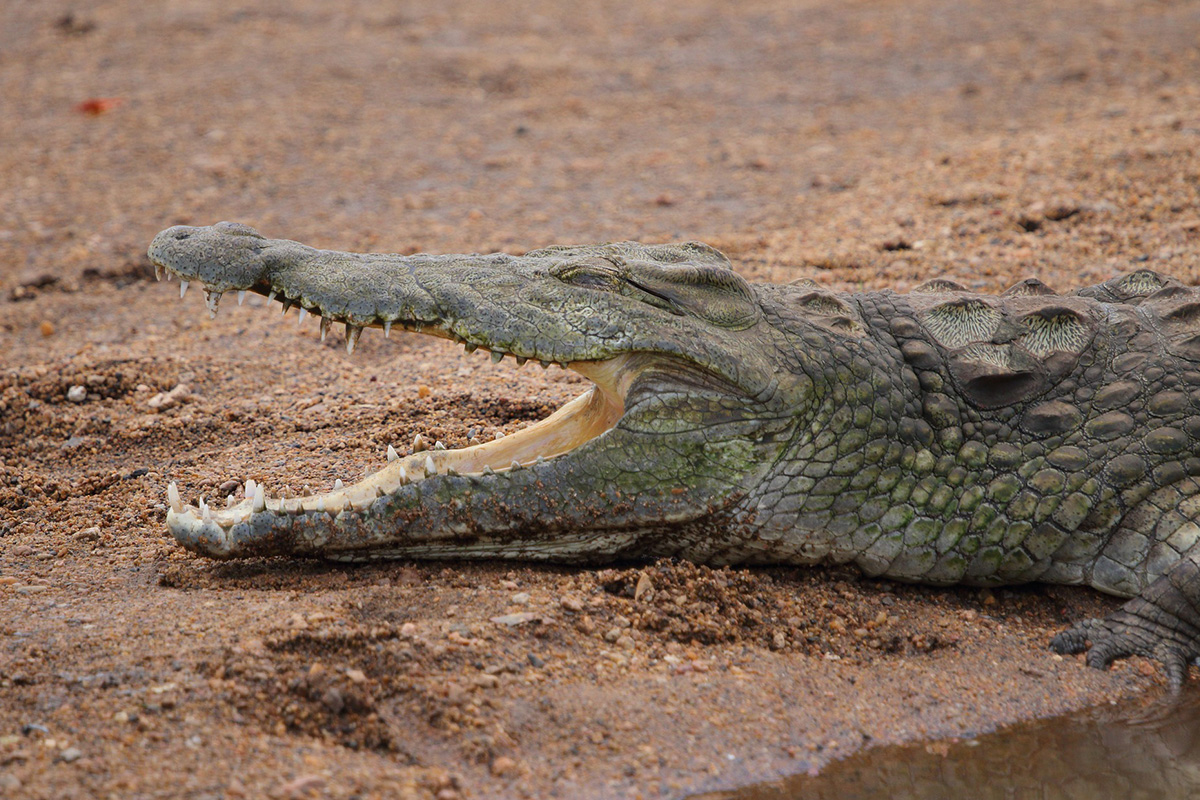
(939, 436)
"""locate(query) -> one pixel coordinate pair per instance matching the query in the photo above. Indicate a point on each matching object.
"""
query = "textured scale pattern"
(938, 436)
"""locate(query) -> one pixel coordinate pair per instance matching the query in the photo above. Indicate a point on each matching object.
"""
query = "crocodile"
(938, 436)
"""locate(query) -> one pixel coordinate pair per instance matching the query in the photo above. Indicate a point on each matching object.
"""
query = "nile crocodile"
(939, 436)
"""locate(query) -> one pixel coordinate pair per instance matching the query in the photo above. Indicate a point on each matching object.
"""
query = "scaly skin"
(939, 437)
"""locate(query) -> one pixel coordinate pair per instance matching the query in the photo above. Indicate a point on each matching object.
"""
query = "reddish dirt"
(863, 144)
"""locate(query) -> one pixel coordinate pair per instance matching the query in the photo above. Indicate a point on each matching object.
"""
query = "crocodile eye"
(592, 273)
(713, 293)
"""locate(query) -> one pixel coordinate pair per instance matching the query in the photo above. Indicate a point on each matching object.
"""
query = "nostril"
(181, 235)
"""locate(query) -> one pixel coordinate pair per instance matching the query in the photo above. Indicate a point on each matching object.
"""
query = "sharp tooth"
(392, 455)
(541, 460)
(183, 287)
(499, 434)
(352, 334)
(336, 503)
(206, 513)
(387, 329)
(497, 356)
(487, 470)
(419, 443)
(320, 504)
(470, 348)
(545, 364)
(230, 502)
(173, 497)
(521, 361)
(474, 441)
(211, 299)
(325, 323)
(260, 498)
(430, 467)
(438, 445)
(158, 272)
(203, 505)
(303, 314)
(169, 276)
(452, 471)
(241, 296)
(403, 476)
(271, 296)
(379, 492)
(250, 487)
(337, 485)
(286, 304)
(515, 464)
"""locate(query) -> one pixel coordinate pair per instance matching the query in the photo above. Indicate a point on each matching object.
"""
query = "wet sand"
(863, 145)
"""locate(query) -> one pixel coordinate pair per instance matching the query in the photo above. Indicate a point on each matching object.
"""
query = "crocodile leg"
(1162, 623)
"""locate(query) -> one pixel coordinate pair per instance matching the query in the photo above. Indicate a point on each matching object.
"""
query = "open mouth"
(579, 421)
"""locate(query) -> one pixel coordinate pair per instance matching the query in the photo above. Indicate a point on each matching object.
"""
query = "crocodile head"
(687, 411)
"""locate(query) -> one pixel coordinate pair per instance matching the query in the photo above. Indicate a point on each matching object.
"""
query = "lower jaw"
(581, 420)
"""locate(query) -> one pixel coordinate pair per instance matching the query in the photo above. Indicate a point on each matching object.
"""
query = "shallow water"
(1140, 749)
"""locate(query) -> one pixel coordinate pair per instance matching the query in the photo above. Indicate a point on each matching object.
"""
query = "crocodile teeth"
(487, 470)
(250, 486)
(260, 498)
(325, 323)
(403, 475)
(470, 348)
(473, 441)
(286, 304)
(158, 271)
(337, 485)
(230, 502)
(241, 296)
(352, 334)
(271, 296)
(392, 455)
(515, 464)
(173, 497)
(303, 314)
(387, 329)
(183, 287)
(430, 467)
(320, 504)
(438, 445)
(521, 361)
(419, 444)
(499, 434)
(497, 356)
(211, 299)
(545, 364)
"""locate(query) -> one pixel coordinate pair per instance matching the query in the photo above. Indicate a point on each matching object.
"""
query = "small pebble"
(71, 754)
(332, 700)
(571, 603)
(77, 394)
(47, 328)
(503, 765)
(520, 598)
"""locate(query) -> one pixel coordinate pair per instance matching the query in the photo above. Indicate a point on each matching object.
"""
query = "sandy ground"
(862, 144)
